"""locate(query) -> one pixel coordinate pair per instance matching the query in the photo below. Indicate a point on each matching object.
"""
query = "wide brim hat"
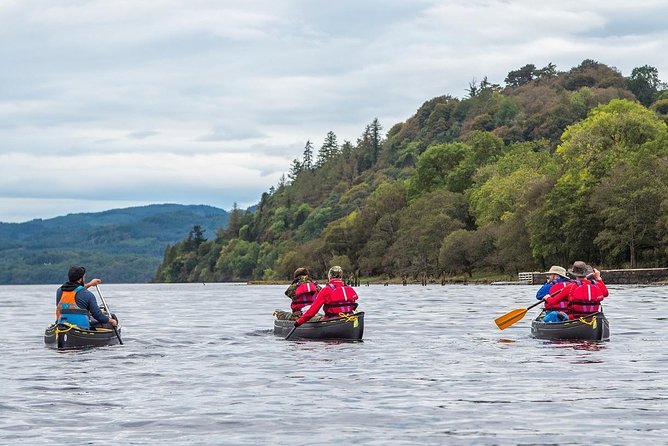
(558, 270)
(579, 269)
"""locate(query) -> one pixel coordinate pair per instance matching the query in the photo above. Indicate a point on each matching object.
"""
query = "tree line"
(552, 167)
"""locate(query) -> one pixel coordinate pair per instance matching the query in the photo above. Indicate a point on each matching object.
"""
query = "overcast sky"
(107, 104)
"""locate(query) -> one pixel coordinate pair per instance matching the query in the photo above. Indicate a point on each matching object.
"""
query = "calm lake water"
(201, 366)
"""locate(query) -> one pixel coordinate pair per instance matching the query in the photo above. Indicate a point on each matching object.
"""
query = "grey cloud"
(261, 77)
(142, 134)
(226, 133)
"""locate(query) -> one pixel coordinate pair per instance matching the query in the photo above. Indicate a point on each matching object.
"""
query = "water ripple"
(433, 369)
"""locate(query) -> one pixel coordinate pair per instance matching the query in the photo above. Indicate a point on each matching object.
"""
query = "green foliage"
(645, 84)
(501, 189)
(436, 167)
(628, 206)
(555, 167)
(661, 108)
(465, 251)
(616, 137)
(422, 225)
(237, 260)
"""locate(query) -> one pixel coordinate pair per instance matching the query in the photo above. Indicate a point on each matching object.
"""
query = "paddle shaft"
(515, 316)
(120, 341)
(290, 334)
(537, 303)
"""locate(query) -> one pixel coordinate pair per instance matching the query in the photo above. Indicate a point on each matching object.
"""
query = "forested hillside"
(119, 245)
(552, 167)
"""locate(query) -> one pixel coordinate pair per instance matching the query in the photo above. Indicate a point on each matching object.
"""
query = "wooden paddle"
(120, 341)
(510, 318)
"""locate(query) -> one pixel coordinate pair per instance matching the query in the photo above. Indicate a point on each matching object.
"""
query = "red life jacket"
(585, 298)
(305, 295)
(341, 299)
(561, 305)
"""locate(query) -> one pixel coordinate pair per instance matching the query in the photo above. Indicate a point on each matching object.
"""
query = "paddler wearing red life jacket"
(336, 298)
(302, 291)
(557, 279)
(75, 304)
(584, 293)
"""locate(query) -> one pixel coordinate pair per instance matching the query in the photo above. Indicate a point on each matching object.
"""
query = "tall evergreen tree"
(295, 169)
(328, 150)
(375, 138)
(307, 159)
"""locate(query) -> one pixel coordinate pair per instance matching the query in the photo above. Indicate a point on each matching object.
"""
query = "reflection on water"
(592, 346)
(200, 365)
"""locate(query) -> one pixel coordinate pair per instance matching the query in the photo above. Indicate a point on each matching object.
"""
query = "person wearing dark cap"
(75, 304)
(583, 295)
(336, 297)
(302, 292)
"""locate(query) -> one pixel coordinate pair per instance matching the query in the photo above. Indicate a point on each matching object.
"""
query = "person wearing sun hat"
(556, 275)
(557, 279)
(583, 296)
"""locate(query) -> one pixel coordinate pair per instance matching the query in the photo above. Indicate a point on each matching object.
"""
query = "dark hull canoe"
(594, 327)
(349, 328)
(67, 337)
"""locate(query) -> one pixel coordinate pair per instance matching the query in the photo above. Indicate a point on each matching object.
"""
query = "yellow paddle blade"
(509, 319)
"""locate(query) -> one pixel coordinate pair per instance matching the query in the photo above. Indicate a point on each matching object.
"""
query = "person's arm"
(544, 290)
(599, 283)
(315, 307)
(559, 296)
(604, 289)
(90, 304)
(93, 282)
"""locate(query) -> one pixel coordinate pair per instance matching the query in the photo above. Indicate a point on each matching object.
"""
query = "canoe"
(594, 327)
(68, 336)
(347, 328)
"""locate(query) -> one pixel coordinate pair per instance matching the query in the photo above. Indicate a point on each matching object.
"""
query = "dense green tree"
(436, 167)
(501, 188)
(463, 251)
(615, 133)
(422, 226)
(237, 260)
(645, 84)
(628, 206)
(521, 76)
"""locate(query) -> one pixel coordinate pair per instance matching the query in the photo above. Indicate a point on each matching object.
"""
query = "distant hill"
(119, 245)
